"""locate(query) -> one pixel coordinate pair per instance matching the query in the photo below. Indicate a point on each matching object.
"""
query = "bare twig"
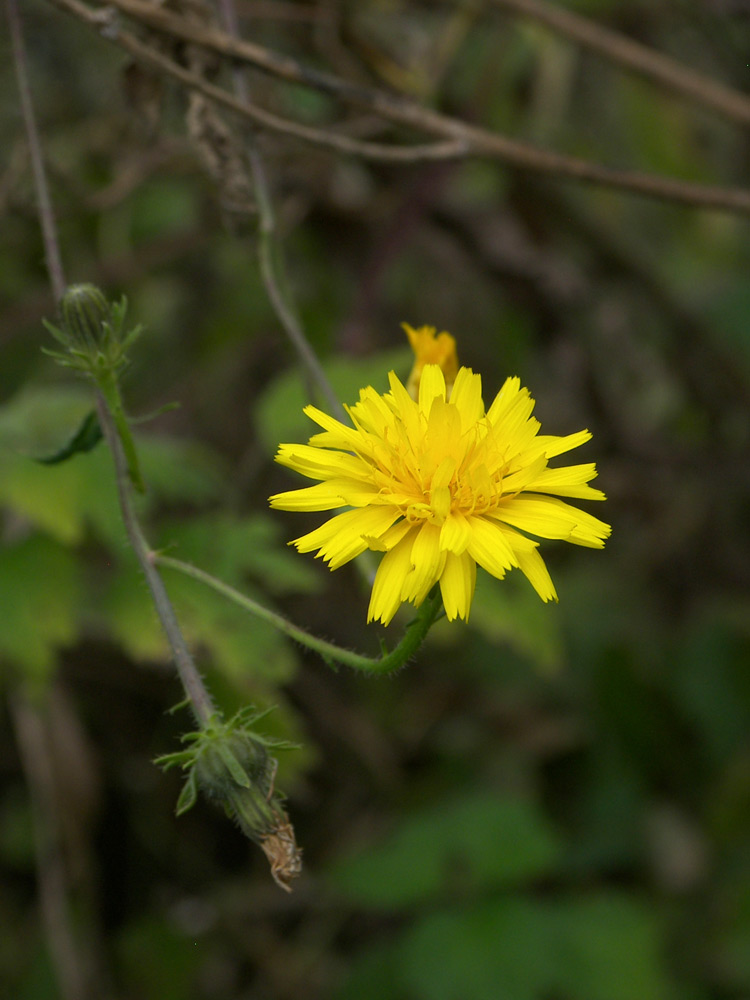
(46, 215)
(324, 138)
(479, 141)
(71, 968)
(683, 80)
(270, 252)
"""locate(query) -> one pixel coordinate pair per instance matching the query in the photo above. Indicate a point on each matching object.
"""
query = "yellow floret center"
(439, 486)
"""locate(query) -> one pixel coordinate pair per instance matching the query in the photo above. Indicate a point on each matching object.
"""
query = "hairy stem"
(413, 638)
(111, 392)
(192, 682)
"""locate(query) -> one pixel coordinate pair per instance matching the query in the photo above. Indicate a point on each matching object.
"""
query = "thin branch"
(479, 141)
(683, 80)
(192, 682)
(270, 251)
(272, 263)
(33, 751)
(46, 215)
(316, 136)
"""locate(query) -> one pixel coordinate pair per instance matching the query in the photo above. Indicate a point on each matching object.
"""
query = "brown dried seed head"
(285, 858)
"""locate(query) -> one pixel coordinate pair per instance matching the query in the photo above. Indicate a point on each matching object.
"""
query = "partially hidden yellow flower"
(440, 485)
(431, 348)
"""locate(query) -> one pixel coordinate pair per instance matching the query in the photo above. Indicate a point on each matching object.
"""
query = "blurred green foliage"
(551, 803)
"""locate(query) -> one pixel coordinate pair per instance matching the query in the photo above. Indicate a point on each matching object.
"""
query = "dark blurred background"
(551, 802)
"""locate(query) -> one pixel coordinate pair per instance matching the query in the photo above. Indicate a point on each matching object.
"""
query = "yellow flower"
(431, 349)
(440, 485)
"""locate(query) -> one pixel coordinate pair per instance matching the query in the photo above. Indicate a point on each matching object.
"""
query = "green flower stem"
(192, 682)
(110, 390)
(413, 638)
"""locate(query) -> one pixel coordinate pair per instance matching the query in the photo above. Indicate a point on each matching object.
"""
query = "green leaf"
(244, 649)
(64, 500)
(608, 948)
(69, 498)
(188, 795)
(233, 765)
(35, 421)
(509, 612)
(231, 547)
(87, 437)
(375, 974)
(601, 947)
(40, 591)
(176, 470)
(499, 949)
(479, 839)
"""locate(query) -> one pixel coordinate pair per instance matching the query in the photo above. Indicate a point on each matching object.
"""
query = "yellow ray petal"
(326, 496)
(389, 581)
(427, 563)
(552, 445)
(552, 518)
(467, 397)
(455, 533)
(489, 545)
(569, 481)
(349, 437)
(431, 387)
(345, 536)
(534, 569)
(457, 584)
(319, 463)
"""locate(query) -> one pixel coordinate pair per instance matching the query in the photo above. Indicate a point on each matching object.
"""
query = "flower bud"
(236, 769)
(431, 348)
(230, 760)
(231, 765)
(85, 310)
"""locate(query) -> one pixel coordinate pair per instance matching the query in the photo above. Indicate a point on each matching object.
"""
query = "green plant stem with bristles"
(199, 698)
(109, 388)
(427, 614)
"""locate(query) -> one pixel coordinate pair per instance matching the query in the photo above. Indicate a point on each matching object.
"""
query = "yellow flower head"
(440, 485)
(431, 349)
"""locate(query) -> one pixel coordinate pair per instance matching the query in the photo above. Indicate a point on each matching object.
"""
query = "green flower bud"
(85, 311)
(230, 760)
(231, 765)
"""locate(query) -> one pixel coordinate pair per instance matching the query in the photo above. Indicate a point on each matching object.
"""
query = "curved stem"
(46, 215)
(192, 682)
(413, 638)
(270, 253)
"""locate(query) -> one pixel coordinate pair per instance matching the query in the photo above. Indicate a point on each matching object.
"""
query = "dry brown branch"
(266, 119)
(683, 80)
(71, 958)
(478, 141)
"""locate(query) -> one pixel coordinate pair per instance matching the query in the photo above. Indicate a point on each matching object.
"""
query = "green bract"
(92, 331)
(231, 764)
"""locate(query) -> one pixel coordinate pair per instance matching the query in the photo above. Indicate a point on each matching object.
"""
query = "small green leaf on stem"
(86, 438)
